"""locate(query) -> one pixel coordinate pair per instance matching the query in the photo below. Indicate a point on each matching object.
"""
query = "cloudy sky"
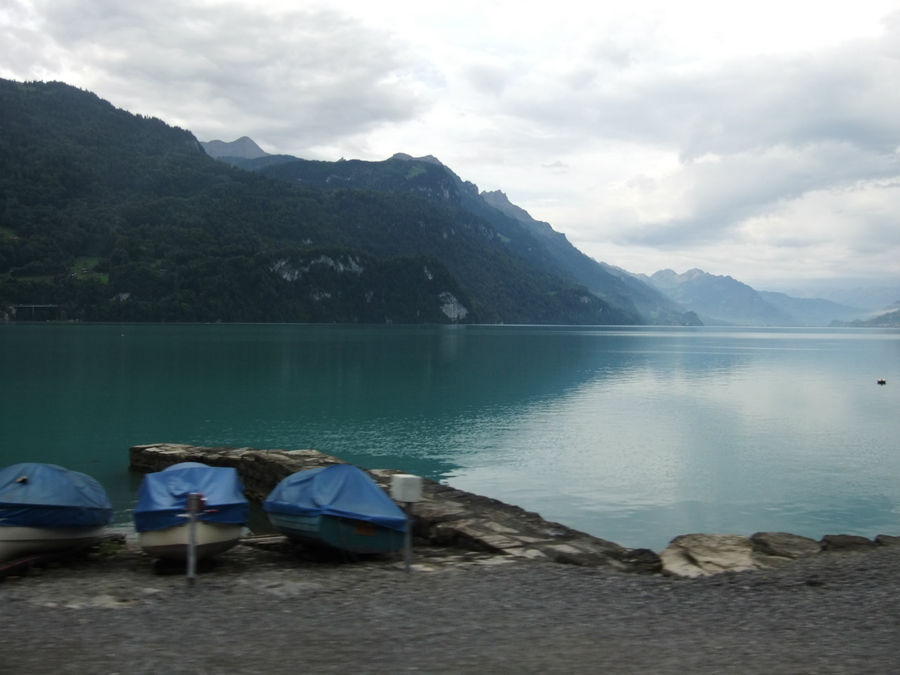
(760, 140)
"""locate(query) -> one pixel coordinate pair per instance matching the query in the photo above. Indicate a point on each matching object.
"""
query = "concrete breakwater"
(453, 518)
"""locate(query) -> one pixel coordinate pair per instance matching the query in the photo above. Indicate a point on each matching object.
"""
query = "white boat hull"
(18, 542)
(172, 542)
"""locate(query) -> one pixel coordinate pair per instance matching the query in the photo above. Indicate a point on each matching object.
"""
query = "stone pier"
(456, 520)
(445, 516)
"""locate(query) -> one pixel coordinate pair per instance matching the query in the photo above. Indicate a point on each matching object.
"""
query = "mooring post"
(194, 500)
(408, 489)
(407, 538)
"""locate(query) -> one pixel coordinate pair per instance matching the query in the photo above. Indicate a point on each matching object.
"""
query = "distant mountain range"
(113, 216)
(723, 300)
(691, 298)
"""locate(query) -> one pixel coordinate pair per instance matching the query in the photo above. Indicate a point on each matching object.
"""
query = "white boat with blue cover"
(46, 507)
(161, 516)
(337, 506)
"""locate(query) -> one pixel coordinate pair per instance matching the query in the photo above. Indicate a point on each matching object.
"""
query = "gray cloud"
(833, 96)
(721, 195)
(294, 79)
(791, 156)
(752, 137)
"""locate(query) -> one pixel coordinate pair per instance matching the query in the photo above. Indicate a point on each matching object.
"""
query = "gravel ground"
(268, 611)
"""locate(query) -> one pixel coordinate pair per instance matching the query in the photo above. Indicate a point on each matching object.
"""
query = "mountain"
(718, 299)
(404, 178)
(242, 148)
(611, 283)
(113, 216)
(531, 240)
(723, 300)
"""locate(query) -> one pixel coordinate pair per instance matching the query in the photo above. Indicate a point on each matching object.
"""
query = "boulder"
(696, 555)
(784, 545)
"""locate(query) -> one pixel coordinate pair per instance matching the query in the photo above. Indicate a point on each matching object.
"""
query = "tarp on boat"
(162, 497)
(337, 490)
(34, 494)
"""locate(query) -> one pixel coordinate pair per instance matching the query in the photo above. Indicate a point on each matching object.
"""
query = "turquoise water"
(632, 434)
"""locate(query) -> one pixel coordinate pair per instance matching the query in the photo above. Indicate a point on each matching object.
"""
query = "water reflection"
(632, 434)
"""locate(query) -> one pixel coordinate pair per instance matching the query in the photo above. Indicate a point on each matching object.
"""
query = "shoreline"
(452, 518)
(269, 606)
(269, 609)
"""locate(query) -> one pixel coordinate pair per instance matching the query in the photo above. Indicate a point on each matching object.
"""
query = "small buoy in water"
(882, 381)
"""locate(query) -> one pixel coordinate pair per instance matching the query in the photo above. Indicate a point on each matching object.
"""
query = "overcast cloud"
(760, 141)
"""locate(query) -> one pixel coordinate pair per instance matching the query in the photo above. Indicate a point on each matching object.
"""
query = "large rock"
(445, 516)
(695, 555)
(784, 545)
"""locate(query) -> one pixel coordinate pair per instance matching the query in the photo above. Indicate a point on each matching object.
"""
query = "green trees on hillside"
(117, 217)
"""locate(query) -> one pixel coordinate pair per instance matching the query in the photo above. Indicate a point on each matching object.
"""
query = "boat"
(48, 508)
(162, 516)
(337, 507)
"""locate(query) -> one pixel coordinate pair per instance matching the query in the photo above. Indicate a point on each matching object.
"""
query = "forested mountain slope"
(528, 239)
(113, 216)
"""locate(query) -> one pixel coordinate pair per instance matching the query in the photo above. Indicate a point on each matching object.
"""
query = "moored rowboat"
(45, 507)
(172, 543)
(161, 516)
(338, 506)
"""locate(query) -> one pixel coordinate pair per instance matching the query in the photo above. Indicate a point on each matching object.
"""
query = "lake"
(635, 434)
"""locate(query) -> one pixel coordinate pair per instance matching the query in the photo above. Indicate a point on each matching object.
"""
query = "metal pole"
(193, 503)
(407, 539)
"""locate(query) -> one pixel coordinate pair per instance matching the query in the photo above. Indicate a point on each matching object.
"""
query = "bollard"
(408, 489)
(194, 506)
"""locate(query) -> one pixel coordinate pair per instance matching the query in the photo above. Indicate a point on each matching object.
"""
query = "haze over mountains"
(114, 216)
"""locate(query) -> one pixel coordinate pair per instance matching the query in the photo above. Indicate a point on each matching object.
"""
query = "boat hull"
(344, 534)
(172, 543)
(17, 542)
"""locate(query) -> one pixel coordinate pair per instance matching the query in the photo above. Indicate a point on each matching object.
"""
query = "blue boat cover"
(337, 490)
(33, 494)
(162, 497)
